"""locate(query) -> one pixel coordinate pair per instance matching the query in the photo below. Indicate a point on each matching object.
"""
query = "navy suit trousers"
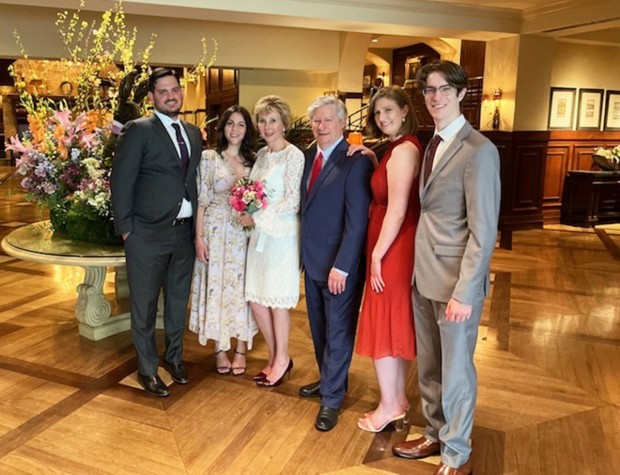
(333, 322)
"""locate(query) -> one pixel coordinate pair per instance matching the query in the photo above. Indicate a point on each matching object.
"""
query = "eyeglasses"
(444, 90)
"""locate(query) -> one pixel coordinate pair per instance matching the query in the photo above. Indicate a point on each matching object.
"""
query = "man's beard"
(170, 112)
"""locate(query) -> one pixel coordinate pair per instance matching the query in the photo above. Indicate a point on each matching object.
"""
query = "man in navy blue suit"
(335, 196)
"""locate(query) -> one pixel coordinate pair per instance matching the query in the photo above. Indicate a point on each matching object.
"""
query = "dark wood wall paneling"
(569, 150)
(402, 77)
(5, 80)
(472, 61)
(472, 57)
(222, 92)
(533, 168)
(522, 161)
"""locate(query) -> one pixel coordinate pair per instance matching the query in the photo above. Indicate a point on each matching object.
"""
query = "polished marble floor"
(548, 359)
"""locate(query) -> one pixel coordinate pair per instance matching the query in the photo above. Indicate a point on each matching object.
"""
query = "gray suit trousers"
(164, 263)
(447, 376)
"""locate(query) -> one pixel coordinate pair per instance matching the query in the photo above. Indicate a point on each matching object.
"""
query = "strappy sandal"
(221, 370)
(239, 370)
(398, 421)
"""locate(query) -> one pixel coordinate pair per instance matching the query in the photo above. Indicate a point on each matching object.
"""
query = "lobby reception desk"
(590, 198)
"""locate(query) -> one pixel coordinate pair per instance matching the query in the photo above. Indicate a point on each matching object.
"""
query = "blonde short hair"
(273, 103)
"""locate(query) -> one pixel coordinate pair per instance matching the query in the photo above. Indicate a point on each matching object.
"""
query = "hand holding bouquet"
(248, 196)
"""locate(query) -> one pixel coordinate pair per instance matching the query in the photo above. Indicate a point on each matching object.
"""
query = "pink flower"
(63, 117)
(237, 204)
(17, 146)
(248, 196)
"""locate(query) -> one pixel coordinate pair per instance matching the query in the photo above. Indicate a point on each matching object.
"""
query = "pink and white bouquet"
(248, 196)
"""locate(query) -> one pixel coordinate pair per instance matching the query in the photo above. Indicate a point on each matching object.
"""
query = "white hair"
(341, 109)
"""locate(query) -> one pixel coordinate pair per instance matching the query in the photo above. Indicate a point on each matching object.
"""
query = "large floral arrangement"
(65, 156)
(607, 159)
(62, 159)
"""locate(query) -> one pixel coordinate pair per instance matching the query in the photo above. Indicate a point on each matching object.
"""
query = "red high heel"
(269, 384)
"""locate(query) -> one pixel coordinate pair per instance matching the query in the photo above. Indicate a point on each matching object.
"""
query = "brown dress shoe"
(465, 469)
(416, 449)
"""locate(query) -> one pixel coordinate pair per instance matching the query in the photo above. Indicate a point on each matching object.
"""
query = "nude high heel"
(398, 421)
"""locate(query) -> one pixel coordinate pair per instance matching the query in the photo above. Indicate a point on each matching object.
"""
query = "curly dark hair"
(248, 144)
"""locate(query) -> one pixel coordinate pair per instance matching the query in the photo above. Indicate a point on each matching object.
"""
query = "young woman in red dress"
(386, 331)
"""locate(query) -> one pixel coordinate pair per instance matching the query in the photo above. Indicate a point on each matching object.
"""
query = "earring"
(403, 120)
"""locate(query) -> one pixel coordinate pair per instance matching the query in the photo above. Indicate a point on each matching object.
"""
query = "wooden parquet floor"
(548, 359)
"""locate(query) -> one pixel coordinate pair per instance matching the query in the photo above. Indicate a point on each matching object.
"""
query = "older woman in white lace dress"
(272, 272)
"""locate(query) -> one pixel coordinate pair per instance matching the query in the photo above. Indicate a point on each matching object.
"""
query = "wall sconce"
(497, 98)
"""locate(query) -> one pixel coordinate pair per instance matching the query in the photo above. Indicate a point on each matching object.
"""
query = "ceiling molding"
(564, 17)
(481, 20)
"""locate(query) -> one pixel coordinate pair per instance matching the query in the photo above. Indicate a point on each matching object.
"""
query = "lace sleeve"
(292, 183)
(270, 219)
(205, 177)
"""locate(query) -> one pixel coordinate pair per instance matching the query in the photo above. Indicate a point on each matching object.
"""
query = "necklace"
(236, 163)
(232, 158)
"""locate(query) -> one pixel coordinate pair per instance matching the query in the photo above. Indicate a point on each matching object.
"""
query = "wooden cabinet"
(591, 198)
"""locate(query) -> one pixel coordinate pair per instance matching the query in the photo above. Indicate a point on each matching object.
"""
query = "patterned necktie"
(182, 148)
(430, 156)
(316, 170)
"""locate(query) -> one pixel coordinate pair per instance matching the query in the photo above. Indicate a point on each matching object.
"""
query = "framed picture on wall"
(612, 110)
(590, 108)
(562, 107)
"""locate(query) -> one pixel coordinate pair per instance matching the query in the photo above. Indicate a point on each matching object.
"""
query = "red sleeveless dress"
(386, 320)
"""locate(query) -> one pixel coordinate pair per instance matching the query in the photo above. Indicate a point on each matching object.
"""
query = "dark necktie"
(430, 156)
(316, 170)
(182, 148)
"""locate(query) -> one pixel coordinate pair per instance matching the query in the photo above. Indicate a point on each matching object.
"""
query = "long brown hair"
(402, 99)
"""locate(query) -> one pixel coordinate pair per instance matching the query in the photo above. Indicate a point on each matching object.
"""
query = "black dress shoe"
(311, 390)
(326, 419)
(177, 371)
(153, 385)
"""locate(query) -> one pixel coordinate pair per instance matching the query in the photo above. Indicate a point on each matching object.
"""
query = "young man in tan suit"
(459, 197)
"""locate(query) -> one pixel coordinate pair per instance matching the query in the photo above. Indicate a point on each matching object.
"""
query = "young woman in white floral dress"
(219, 310)
(272, 275)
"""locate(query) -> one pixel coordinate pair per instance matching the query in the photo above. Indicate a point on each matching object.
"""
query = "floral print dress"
(219, 310)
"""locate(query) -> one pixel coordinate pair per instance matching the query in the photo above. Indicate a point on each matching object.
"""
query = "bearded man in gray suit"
(459, 197)
(154, 194)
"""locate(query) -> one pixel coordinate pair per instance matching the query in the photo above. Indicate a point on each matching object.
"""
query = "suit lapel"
(196, 146)
(309, 156)
(163, 135)
(447, 156)
(335, 156)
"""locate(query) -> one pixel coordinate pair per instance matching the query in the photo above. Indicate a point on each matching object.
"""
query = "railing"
(357, 120)
(302, 123)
